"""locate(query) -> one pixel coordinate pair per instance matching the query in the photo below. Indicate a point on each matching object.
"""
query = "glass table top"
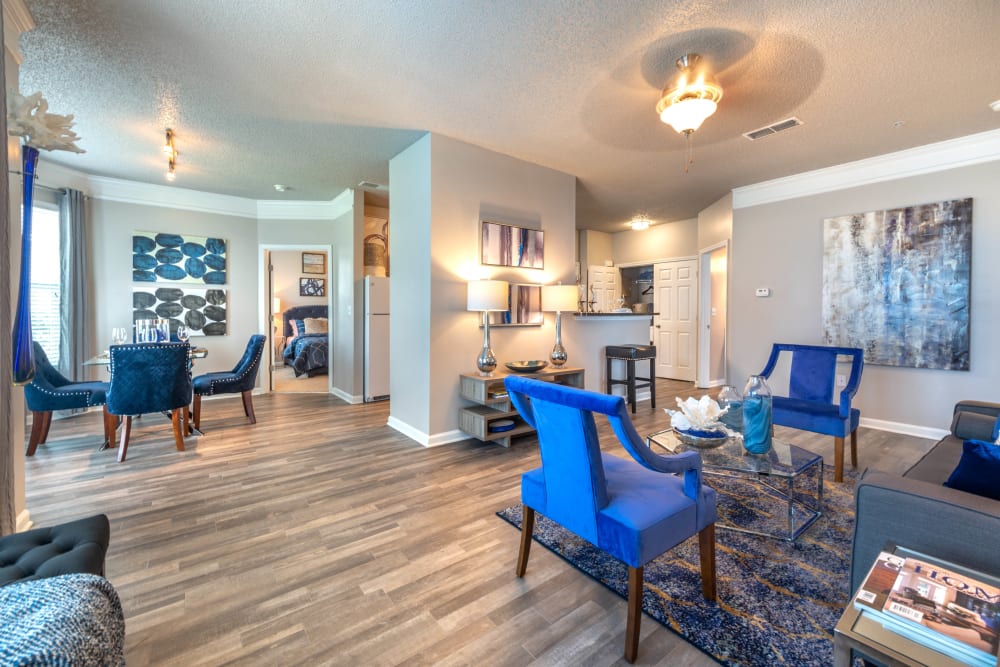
(784, 459)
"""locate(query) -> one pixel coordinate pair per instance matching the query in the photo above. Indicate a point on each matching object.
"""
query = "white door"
(676, 326)
(606, 282)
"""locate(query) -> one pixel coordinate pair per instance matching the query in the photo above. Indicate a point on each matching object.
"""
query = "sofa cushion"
(937, 464)
(77, 546)
(812, 416)
(978, 471)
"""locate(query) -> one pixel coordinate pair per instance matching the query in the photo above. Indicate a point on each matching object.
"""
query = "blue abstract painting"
(897, 284)
(180, 259)
(504, 245)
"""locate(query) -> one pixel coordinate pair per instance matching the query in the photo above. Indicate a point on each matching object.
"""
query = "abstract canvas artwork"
(312, 287)
(203, 311)
(504, 245)
(160, 257)
(896, 283)
(524, 307)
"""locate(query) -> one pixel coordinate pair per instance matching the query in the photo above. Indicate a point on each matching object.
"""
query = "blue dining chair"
(634, 510)
(240, 380)
(148, 378)
(809, 405)
(49, 391)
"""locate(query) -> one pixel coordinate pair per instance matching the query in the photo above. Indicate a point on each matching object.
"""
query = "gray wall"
(715, 223)
(410, 286)
(664, 241)
(780, 245)
(110, 251)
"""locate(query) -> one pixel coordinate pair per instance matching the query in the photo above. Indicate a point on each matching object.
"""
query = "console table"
(492, 403)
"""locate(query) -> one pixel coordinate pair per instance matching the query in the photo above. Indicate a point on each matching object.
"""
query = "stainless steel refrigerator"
(376, 339)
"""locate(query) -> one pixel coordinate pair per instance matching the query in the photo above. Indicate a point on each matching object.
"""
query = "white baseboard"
(347, 398)
(23, 521)
(905, 429)
(424, 439)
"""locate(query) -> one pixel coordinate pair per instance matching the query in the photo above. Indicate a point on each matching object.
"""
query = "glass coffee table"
(766, 500)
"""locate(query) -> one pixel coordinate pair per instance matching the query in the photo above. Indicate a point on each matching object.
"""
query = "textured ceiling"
(319, 95)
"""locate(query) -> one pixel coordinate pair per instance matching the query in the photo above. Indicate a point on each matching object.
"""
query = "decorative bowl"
(704, 439)
(530, 366)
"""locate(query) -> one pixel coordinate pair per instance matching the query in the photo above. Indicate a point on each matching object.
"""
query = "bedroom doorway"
(298, 292)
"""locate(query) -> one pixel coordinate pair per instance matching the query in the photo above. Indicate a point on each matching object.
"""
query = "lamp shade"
(560, 298)
(487, 295)
(276, 306)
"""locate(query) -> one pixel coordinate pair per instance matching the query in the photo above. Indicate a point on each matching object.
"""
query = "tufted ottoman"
(69, 548)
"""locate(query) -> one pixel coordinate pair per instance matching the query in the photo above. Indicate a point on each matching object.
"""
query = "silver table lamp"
(486, 296)
(559, 298)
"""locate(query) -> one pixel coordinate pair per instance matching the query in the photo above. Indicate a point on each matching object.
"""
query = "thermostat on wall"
(763, 291)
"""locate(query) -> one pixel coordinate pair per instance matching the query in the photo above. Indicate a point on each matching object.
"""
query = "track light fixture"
(171, 152)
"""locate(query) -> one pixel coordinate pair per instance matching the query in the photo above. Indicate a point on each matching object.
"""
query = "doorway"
(675, 298)
(714, 303)
(297, 290)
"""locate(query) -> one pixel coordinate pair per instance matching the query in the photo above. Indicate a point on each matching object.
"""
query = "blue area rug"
(778, 601)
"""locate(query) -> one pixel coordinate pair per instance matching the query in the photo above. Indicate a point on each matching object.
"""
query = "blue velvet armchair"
(634, 510)
(49, 391)
(240, 380)
(809, 405)
(149, 378)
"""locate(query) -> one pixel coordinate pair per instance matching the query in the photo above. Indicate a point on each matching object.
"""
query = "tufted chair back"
(150, 377)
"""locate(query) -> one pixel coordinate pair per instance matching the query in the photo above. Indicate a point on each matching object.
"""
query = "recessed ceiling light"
(899, 123)
(639, 224)
(995, 105)
(279, 187)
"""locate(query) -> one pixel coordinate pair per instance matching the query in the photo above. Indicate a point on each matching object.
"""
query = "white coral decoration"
(698, 414)
(28, 117)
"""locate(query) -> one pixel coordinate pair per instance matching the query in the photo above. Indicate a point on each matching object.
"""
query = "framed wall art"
(896, 283)
(524, 307)
(312, 287)
(506, 245)
(161, 257)
(203, 311)
(314, 262)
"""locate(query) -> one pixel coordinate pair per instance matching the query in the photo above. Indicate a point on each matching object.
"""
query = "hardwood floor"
(322, 536)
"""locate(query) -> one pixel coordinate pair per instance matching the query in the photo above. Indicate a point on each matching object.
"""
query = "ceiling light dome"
(691, 99)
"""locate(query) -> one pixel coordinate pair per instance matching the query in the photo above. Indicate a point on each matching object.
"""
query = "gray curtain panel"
(74, 303)
(8, 448)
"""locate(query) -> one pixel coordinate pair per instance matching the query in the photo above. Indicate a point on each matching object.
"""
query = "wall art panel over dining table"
(896, 283)
(161, 257)
(203, 311)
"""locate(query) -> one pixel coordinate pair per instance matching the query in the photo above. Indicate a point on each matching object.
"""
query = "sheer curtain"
(74, 302)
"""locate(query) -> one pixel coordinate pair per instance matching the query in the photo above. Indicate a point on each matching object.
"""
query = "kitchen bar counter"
(612, 316)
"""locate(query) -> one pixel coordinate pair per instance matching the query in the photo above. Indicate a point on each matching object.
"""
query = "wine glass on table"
(183, 333)
(119, 335)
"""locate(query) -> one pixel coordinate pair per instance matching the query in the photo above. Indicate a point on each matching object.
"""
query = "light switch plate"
(763, 291)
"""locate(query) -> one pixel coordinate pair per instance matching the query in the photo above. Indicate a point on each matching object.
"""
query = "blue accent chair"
(148, 378)
(49, 391)
(240, 380)
(633, 510)
(809, 405)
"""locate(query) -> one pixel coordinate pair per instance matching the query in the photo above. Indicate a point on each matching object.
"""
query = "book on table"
(945, 607)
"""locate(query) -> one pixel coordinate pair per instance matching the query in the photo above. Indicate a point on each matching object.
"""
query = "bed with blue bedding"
(306, 354)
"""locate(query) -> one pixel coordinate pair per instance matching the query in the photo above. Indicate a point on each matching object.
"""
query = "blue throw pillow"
(978, 471)
(298, 327)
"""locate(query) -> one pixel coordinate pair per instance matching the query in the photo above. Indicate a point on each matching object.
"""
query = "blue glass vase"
(757, 416)
(24, 352)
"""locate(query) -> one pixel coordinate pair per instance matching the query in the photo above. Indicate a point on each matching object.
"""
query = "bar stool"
(629, 354)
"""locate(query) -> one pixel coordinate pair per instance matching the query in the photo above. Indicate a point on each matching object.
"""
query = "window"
(45, 280)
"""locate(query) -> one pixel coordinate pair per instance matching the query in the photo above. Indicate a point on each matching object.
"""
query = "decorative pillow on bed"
(316, 325)
(298, 327)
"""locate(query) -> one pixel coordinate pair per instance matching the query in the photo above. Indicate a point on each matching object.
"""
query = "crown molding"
(17, 20)
(149, 194)
(951, 154)
(276, 209)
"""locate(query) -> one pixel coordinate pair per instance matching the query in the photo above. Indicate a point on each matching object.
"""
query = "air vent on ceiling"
(368, 185)
(786, 124)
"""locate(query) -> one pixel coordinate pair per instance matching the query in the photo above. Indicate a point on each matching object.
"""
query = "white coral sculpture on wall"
(29, 117)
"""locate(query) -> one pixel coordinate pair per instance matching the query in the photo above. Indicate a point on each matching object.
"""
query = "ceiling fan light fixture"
(639, 224)
(691, 99)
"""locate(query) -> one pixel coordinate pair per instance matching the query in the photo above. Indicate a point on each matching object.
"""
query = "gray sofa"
(917, 512)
